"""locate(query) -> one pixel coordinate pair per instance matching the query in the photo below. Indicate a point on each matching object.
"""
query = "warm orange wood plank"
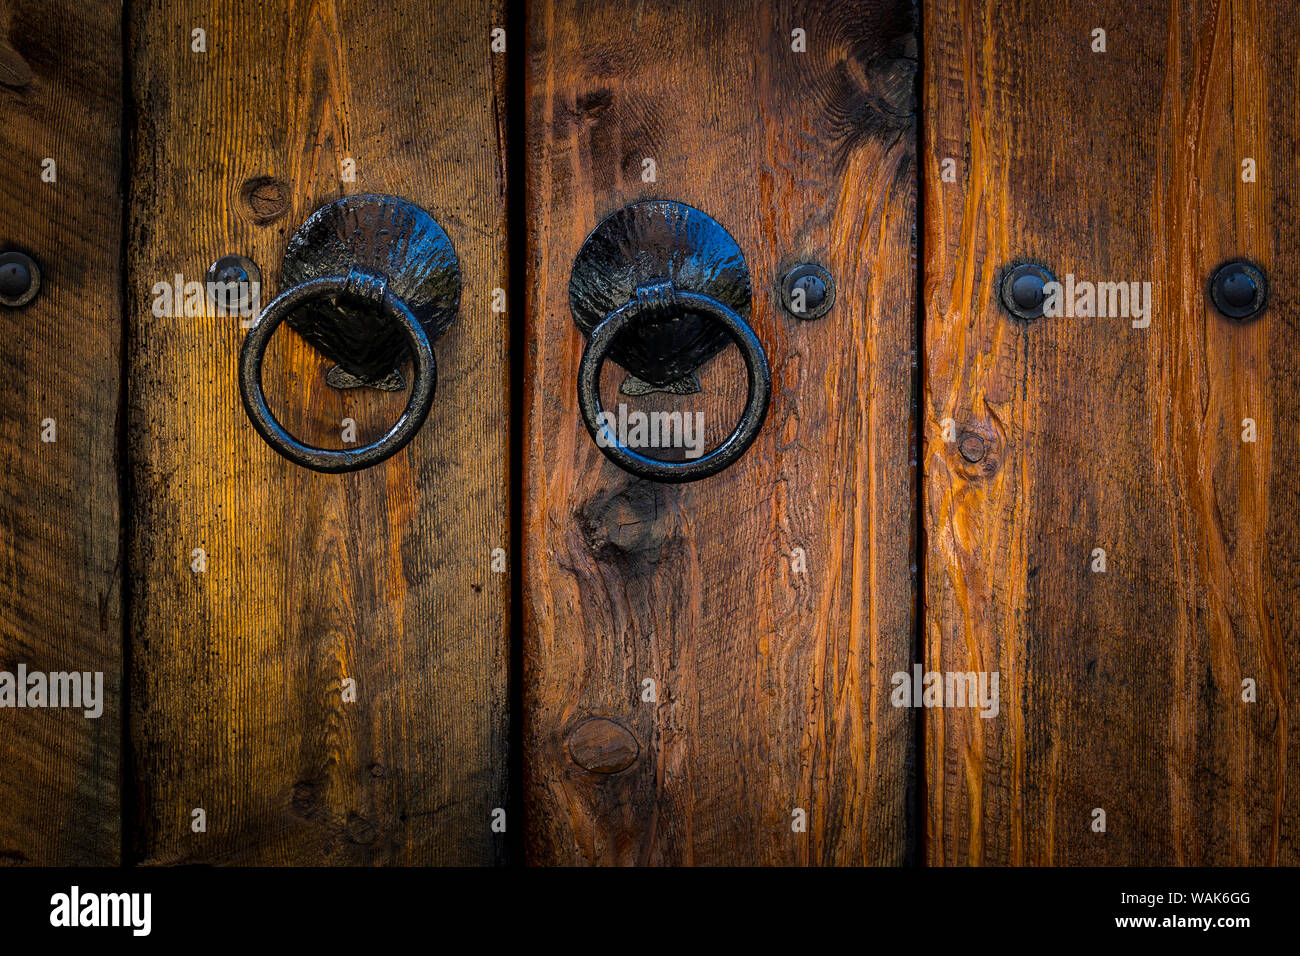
(1120, 690)
(383, 576)
(772, 683)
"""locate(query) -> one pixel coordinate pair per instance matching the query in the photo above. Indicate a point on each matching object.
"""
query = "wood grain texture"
(383, 576)
(1119, 690)
(772, 683)
(60, 591)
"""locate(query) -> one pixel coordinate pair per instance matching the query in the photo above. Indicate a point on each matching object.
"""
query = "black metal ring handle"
(366, 286)
(652, 301)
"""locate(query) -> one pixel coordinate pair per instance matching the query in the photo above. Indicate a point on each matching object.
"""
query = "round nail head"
(233, 269)
(14, 279)
(807, 291)
(1238, 290)
(1023, 292)
(1028, 292)
(814, 290)
(232, 273)
(20, 279)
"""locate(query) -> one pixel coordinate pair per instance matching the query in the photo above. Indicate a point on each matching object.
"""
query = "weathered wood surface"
(382, 576)
(772, 683)
(1120, 690)
(60, 590)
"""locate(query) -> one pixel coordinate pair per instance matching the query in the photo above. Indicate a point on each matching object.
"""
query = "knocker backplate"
(394, 238)
(646, 244)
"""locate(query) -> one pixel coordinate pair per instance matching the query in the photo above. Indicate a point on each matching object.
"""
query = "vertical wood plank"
(382, 576)
(1121, 690)
(772, 682)
(60, 606)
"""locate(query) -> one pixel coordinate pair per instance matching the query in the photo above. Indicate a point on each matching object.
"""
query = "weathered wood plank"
(772, 682)
(1120, 690)
(60, 591)
(382, 576)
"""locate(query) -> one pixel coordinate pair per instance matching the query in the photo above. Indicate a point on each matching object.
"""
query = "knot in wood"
(972, 447)
(265, 198)
(600, 745)
(980, 450)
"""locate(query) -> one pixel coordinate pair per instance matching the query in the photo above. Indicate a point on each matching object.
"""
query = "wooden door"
(705, 664)
(384, 577)
(1097, 509)
(60, 566)
(1155, 691)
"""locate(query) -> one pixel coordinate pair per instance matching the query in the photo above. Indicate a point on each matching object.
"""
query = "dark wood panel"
(1120, 691)
(383, 576)
(60, 591)
(772, 682)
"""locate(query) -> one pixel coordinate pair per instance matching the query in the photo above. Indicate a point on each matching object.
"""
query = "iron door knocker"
(369, 281)
(661, 288)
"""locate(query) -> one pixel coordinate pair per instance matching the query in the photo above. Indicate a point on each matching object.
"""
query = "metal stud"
(1238, 290)
(807, 291)
(20, 279)
(233, 282)
(1022, 290)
